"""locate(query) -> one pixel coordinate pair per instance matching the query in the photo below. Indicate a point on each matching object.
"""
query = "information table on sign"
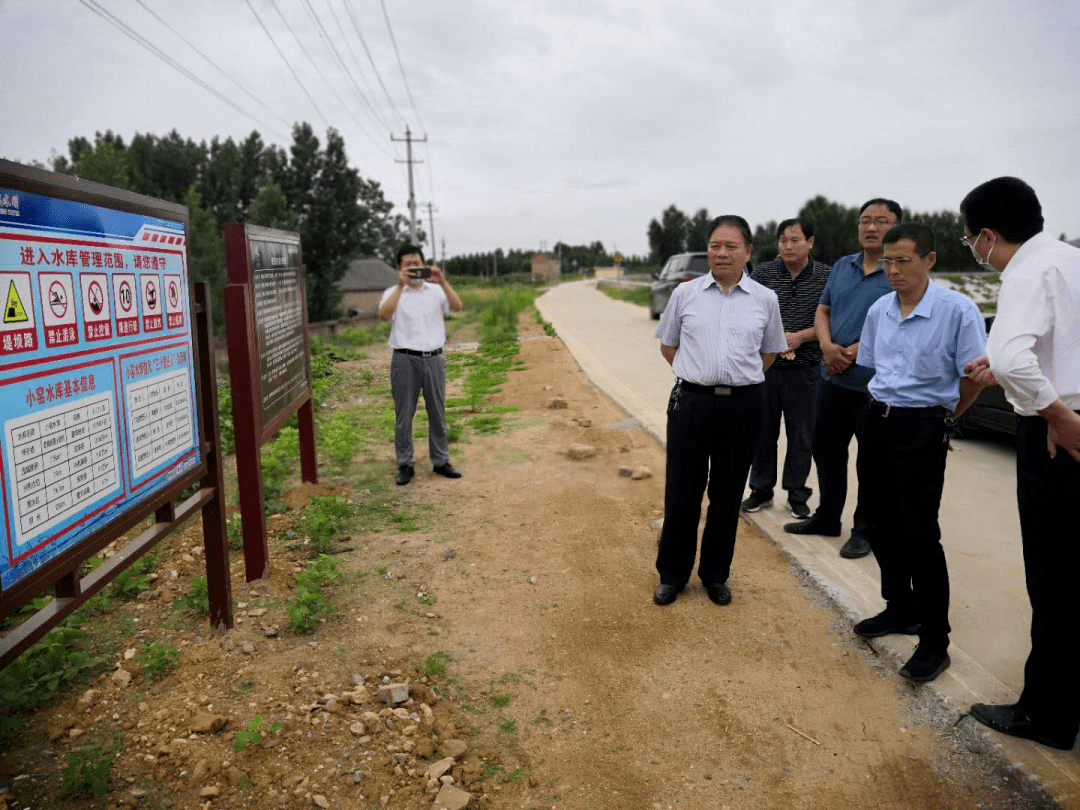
(64, 458)
(160, 420)
(97, 383)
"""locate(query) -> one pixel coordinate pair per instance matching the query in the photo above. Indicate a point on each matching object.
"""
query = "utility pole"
(409, 140)
(444, 250)
(431, 221)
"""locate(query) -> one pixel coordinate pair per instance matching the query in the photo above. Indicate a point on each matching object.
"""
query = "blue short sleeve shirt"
(849, 293)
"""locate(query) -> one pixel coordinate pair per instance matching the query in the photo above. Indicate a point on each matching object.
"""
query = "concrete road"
(614, 345)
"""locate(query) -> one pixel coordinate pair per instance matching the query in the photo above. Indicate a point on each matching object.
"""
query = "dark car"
(991, 411)
(679, 268)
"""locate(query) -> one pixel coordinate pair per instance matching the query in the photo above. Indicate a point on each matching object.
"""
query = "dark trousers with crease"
(905, 462)
(710, 440)
(791, 392)
(1048, 491)
(839, 414)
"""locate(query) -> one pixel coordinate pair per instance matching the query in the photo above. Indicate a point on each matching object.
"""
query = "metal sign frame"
(62, 571)
(251, 429)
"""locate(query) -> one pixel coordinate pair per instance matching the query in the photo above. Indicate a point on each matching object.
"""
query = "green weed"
(157, 659)
(338, 439)
(435, 664)
(501, 701)
(197, 598)
(507, 725)
(87, 771)
(635, 295)
(324, 520)
(252, 733)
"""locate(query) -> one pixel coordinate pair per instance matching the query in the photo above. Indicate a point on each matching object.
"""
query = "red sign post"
(269, 365)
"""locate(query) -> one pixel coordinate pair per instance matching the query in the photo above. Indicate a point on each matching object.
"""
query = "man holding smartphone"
(415, 309)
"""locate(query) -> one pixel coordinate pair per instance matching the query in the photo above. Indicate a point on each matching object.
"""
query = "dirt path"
(533, 575)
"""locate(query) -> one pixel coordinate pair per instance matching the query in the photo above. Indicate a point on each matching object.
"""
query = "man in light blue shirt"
(917, 341)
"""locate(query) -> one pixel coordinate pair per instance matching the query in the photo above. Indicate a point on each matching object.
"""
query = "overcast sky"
(581, 120)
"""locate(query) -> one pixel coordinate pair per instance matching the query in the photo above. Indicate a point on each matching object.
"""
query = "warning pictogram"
(95, 301)
(174, 302)
(18, 332)
(58, 311)
(152, 320)
(14, 311)
(127, 315)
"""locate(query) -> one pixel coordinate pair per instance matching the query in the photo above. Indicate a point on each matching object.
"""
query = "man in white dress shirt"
(415, 309)
(1034, 353)
(720, 333)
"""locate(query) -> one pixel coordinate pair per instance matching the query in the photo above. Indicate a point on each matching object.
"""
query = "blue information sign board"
(97, 377)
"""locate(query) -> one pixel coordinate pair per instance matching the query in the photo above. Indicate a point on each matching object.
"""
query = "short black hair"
(735, 221)
(892, 205)
(922, 235)
(405, 250)
(805, 225)
(1007, 205)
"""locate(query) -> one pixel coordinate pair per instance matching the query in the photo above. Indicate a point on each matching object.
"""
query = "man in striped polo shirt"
(791, 382)
(720, 333)
(415, 309)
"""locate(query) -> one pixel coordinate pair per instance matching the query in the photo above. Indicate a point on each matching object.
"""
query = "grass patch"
(635, 295)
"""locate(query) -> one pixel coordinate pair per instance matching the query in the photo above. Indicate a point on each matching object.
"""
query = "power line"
(326, 81)
(212, 62)
(360, 36)
(124, 28)
(341, 62)
(401, 67)
(287, 63)
(359, 70)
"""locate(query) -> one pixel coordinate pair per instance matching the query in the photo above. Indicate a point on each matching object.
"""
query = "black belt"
(414, 353)
(719, 390)
(893, 410)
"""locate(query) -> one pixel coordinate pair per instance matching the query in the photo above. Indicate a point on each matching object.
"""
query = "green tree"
(836, 229)
(668, 235)
(765, 247)
(206, 252)
(270, 209)
(697, 230)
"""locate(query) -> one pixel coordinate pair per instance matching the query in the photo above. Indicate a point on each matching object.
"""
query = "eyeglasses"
(866, 221)
(966, 241)
(900, 262)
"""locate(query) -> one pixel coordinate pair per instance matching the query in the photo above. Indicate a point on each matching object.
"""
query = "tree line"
(835, 234)
(308, 188)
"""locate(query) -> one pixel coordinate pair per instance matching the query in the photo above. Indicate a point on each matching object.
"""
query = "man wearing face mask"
(1034, 353)
(415, 309)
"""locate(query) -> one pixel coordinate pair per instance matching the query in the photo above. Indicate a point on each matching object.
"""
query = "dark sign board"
(278, 295)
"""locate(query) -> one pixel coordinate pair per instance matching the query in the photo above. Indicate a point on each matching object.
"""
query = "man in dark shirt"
(791, 382)
(855, 283)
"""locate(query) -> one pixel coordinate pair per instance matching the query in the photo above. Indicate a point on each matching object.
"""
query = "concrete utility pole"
(409, 140)
(444, 250)
(431, 222)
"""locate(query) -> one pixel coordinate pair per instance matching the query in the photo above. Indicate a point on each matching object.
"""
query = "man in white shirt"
(1034, 352)
(415, 309)
(720, 333)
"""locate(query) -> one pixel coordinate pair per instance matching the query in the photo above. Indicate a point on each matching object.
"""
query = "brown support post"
(305, 417)
(68, 586)
(246, 418)
(215, 537)
(166, 513)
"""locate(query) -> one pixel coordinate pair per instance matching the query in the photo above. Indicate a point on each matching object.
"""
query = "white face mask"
(979, 260)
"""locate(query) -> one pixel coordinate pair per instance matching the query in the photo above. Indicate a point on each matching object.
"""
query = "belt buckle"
(888, 408)
(722, 390)
(425, 354)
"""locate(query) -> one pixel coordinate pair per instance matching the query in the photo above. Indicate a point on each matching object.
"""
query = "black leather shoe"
(446, 469)
(404, 475)
(926, 664)
(1012, 720)
(813, 526)
(856, 546)
(665, 594)
(886, 623)
(719, 594)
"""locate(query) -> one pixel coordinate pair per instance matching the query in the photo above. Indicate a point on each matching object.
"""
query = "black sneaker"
(404, 475)
(758, 499)
(926, 664)
(799, 511)
(886, 623)
(447, 470)
(814, 525)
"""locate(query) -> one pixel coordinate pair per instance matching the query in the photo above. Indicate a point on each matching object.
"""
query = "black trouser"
(1048, 493)
(710, 439)
(839, 414)
(905, 469)
(790, 391)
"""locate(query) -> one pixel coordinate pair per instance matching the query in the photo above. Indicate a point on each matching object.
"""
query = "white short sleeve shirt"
(417, 322)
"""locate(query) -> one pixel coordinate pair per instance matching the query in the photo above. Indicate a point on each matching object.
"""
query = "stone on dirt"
(626, 472)
(577, 452)
(121, 678)
(393, 693)
(641, 472)
(437, 769)
(209, 792)
(557, 403)
(453, 748)
(320, 801)
(451, 798)
(207, 723)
